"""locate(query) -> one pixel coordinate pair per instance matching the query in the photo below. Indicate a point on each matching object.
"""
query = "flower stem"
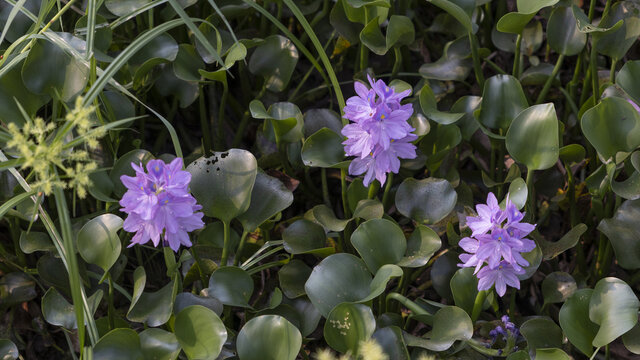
(243, 239)
(325, 187)
(531, 193)
(477, 305)
(387, 190)
(595, 80)
(476, 60)
(225, 248)
(374, 188)
(547, 85)
(516, 60)
(415, 308)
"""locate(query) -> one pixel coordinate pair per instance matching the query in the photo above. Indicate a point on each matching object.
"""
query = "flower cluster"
(159, 203)
(42, 149)
(498, 244)
(508, 330)
(380, 134)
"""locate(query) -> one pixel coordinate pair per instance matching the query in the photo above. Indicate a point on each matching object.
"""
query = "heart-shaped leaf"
(379, 242)
(347, 325)
(303, 236)
(541, 333)
(575, 323)
(200, 332)
(8, 350)
(450, 324)
(118, 344)
(421, 246)
(558, 287)
(426, 201)
(159, 344)
(268, 337)
(231, 285)
(268, 197)
(122, 166)
(222, 183)
(274, 59)
(323, 149)
(98, 241)
(563, 34)
(613, 306)
(292, 277)
(502, 100)
(623, 231)
(532, 138)
(153, 309)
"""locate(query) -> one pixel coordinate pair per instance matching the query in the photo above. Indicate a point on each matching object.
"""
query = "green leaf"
(514, 22)
(502, 100)
(275, 59)
(572, 153)
(98, 241)
(534, 257)
(450, 324)
(575, 323)
(532, 138)
(101, 186)
(231, 285)
(631, 339)
(287, 121)
(563, 34)
(616, 43)
(124, 7)
(623, 230)
(558, 287)
(551, 354)
(303, 236)
(541, 333)
(323, 215)
(35, 241)
(8, 350)
(153, 309)
(159, 344)
(379, 242)
(614, 307)
(368, 209)
(552, 249)
(430, 108)
(222, 183)
(48, 69)
(457, 12)
(118, 344)
(399, 31)
(268, 197)
(464, 287)
(200, 332)
(323, 149)
(292, 277)
(391, 340)
(268, 337)
(425, 201)
(612, 126)
(186, 299)
(58, 311)
(187, 63)
(14, 92)
(626, 79)
(347, 325)
(372, 37)
(454, 64)
(122, 166)
(518, 192)
(421, 246)
(17, 287)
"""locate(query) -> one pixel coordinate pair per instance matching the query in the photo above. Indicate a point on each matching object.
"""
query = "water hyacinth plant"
(315, 179)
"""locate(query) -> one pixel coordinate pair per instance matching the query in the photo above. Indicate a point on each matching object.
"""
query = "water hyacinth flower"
(496, 245)
(379, 135)
(159, 204)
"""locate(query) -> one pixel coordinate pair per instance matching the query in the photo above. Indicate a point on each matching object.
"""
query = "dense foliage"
(353, 179)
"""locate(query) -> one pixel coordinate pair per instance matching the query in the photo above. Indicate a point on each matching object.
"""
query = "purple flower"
(380, 135)
(158, 203)
(498, 242)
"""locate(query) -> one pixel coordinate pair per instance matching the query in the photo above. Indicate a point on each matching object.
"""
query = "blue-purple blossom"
(496, 245)
(158, 204)
(506, 330)
(379, 135)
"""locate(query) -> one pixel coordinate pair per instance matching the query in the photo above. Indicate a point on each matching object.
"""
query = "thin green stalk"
(477, 305)
(415, 308)
(592, 10)
(517, 56)
(374, 188)
(225, 247)
(345, 202)
(111, 309)
(547, 84)
(612, 72)
(268, 265)
(243, 239)
(387, 191)
(51, 22)
(325, 188)
(220, 145)
(477, 68)
(204, 123)
(531, 195)
(595, 80)
(364, 51)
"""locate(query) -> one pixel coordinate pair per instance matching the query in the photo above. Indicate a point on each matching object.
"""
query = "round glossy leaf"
(558, 287)
(426, 201)
(316, 119)
(399, 31)
(292, 277)
(268, 197)
(59, 312)
(455, 64)
(268, 337)
(12, 90)
(50, 70)
(575, 323)
(187, 63)
(514, 22)
(338, 278)
(569, 240)
(631, 339)
(200, 332)
(532, 138)
(168, 84)
(186, 299)
(518, 192)
(551, 354)
(123, 167)
(222, 183)
(275, 59)
(347, 325)
(101, 186)
(460, 13)
(442, 272)
(17, 287)
(35, 241)
(464, 287)
(118, 344)
(372, 37)
(98, 241)
(572, 153)
(467, 105)
(323, 215)
(430, 108)
(287, 121)
(534, 257)
(231, 285)
(303, 236)
(614, 307)
(623, 230)
(450, 324)
(502, 100)
(151, 308)
(323, 149)
(159, 344)
(8, 350)
(626, 79)
(541, 333)
(379, 242)
(563, 34)
(391, 340)
(213, 235)
(616, 43)
(421, 246)
(611, 126)
(369, 209)
(124, 7)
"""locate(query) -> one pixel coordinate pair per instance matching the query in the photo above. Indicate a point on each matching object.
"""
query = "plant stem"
(477, 68)
(415, 308)
(204, 124)
(547, 84)
(516, 60)
(225, 247)
(325, 188)
(243, 239)
(477, 305)
(595, 80)
(374, 188)
(612, 73)
(220, 144)
(387, 190)
(531, 194)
